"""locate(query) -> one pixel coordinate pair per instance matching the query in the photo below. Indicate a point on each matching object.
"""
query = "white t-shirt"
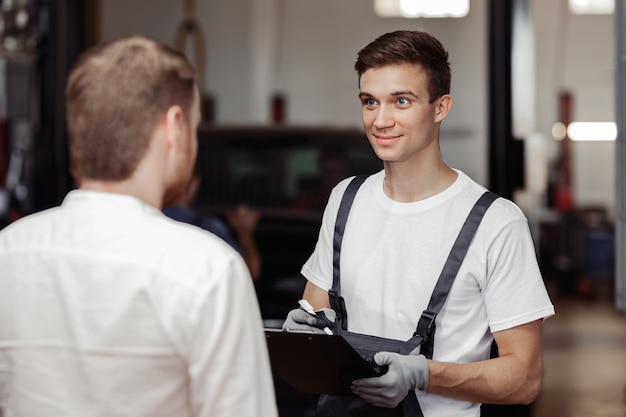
(392, 255)
(109, 308)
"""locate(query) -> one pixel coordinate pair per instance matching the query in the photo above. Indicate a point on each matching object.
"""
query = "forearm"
(317, 297)
(503, 380)
(251, 254)
(243, 221)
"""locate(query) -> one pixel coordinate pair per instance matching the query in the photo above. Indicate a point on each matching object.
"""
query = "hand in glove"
(298, 319)
(406, 372)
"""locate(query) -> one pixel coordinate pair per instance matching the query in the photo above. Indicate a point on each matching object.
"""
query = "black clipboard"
(316, 363)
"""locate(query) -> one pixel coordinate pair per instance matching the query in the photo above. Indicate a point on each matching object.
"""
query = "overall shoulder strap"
(426, 324)
(336, 301)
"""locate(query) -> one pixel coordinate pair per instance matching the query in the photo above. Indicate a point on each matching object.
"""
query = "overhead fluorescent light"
(592, 6)
(421, 8)
(585, 131)
(592, 131)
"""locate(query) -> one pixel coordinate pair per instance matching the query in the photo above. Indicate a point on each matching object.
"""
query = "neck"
(123, 187)
(142, 184)
(408, 183)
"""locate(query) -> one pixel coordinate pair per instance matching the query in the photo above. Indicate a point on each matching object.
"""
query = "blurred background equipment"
(19, 97)
(39, 41)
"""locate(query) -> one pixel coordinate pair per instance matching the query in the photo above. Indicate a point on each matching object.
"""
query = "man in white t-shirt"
(107, 306)
(400, 229)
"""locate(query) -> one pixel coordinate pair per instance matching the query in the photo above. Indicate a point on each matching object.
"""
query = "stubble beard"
(177, 189)
(175, 193)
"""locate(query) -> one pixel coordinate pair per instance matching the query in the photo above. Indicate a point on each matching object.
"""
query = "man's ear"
(174, 126)
(444, 103)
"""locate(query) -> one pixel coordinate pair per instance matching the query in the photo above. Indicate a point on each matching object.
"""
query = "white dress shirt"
(109, 308)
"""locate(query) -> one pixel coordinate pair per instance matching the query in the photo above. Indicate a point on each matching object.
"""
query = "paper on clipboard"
(316, 363)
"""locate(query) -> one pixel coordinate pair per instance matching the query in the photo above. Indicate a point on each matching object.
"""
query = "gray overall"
(366, 345)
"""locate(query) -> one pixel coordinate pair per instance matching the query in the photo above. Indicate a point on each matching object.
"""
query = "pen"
(309, 309)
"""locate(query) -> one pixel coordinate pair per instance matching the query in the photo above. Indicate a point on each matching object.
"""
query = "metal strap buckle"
(426, 324)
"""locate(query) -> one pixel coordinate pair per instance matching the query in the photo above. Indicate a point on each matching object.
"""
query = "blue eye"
(402, 100)
(369, 101)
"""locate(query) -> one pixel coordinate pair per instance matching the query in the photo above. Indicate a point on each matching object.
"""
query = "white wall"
(313, 64)
(577, 53)
(225, 27)
(318, 47)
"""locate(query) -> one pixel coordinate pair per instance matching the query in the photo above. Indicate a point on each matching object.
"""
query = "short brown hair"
(115, 96)
(409, 47)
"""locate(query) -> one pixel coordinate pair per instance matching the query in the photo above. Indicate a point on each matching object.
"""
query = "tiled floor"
(584, 361)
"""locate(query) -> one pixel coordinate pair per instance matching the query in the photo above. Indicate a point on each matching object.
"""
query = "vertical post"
(63, 37)
(500, 117)
(620, 229)
(505, 151)
(505, 165)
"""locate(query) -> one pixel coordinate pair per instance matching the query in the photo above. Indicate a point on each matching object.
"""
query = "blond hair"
(115, 95)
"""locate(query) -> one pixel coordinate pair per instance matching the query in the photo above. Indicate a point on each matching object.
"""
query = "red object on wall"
(278, 109)
(564, 199)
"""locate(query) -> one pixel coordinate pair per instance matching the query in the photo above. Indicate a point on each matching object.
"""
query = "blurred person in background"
(242, 220)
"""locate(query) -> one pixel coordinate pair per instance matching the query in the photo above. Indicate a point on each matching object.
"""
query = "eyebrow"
(394, 94)
(404, 93)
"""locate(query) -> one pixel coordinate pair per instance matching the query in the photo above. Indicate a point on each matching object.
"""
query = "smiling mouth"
(386, 139)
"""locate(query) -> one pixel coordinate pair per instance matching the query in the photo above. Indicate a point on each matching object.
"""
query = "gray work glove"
(300, 320)
(405, 373)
